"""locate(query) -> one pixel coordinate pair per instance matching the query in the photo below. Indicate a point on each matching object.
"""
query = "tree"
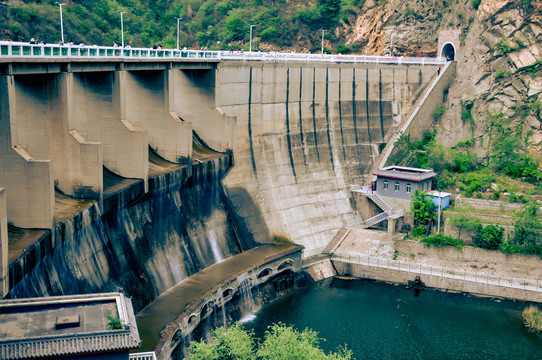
(281, 343)
(423, 208)
(528, 225)
(489, 237)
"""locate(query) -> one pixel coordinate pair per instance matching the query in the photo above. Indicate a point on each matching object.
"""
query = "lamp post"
(250, 46)
(122, 25)
(178, 19)
(323, 31)
(61, 23)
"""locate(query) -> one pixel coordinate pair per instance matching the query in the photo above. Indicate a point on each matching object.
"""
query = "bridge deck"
(17, 51)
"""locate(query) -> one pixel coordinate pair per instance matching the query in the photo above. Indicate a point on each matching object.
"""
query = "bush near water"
(533, 318)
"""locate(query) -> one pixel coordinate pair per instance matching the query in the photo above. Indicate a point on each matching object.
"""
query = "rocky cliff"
(499, 63)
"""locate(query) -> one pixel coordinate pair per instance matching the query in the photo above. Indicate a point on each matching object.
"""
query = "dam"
(138, 172)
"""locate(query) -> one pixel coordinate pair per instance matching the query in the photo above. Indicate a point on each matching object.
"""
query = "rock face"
(498, 64)
(413, 24)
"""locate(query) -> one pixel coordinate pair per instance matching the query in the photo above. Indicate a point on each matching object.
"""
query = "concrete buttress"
(28, 180)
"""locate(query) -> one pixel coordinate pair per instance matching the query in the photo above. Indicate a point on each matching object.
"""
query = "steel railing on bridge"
(423, 269)
(19, 50)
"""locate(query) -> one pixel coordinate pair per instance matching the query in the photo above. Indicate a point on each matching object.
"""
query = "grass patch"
(114, 322)
(532, 316)
(281, 239)
(502, 73)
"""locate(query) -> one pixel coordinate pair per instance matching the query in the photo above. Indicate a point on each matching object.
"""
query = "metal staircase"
(388, 212)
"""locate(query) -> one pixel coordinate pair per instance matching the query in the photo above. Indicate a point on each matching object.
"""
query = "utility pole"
(178, 19)
(61, 23)
(250, 47)
(391, 45)
(323, 31)
(122, 25)
(439, 209)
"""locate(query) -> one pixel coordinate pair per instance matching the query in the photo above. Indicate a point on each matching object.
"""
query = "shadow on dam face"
(247, 217)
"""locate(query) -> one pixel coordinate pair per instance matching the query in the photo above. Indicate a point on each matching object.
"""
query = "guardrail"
(421, 269)
(150, 355)
(18, 50)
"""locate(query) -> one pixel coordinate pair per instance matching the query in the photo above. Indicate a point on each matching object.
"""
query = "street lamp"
(250, 47)
(178, 19)
(122, 25)
(323, 31)
(61, 24)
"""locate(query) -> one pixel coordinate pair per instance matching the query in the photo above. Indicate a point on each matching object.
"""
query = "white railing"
(150, 355)
(375, 219)
(18, 50)
(421, 269)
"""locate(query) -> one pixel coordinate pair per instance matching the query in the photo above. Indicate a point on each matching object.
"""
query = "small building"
(401, 182)
(68, 327)
(440, 198)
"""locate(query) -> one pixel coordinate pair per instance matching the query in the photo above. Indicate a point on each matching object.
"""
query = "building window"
(408, 188)
(385, 185)
(396, 186)
(420, 186)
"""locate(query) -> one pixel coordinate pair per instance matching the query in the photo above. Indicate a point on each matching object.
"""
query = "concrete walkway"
(157, 315)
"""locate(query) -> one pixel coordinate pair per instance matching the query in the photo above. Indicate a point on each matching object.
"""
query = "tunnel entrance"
(448, 51)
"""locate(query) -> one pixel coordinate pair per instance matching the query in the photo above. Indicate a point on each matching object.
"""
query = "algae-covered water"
(383, 321)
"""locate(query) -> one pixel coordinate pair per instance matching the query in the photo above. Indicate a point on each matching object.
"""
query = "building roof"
(405, 173)
(436, 193)
(65, 325)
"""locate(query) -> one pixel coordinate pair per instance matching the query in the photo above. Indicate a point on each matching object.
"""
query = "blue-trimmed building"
(401, 182)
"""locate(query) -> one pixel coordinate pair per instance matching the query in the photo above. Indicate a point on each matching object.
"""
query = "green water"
(382, 321)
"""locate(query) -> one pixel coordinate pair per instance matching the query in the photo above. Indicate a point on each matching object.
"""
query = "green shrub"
(441, 240)
(536, 107)
(280, 342)
(344, 49)
(475, 4)
(489, 237)
(502, 73)
(508, 249)
(419, 231)
(503, 45)
(437, 115)
(114, 322)
(269, 33)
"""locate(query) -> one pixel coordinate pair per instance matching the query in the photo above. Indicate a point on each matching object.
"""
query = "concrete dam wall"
(304, 134)
(107, 186)
(144, 247)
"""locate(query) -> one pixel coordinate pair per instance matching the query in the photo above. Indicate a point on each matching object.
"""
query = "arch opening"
(284, 265)
(264, 273)
(448, 51)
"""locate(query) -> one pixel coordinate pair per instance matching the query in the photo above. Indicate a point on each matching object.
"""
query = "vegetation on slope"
(205, 23)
